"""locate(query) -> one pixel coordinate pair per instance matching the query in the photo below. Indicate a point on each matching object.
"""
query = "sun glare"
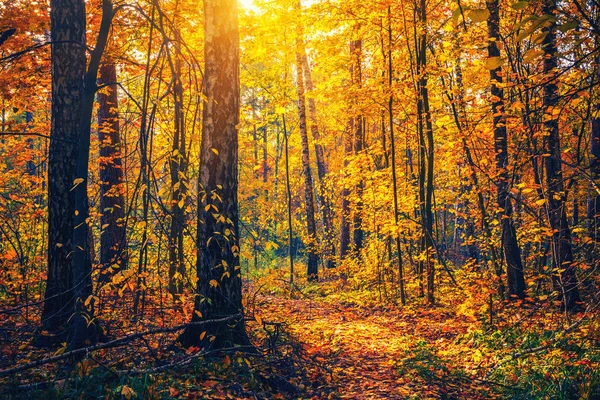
(247, 4)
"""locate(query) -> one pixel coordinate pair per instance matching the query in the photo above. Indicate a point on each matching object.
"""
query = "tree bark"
(393, 160)
(113, 241)
(358, 145)
(510, 246)
(178, 168)
(313, 257)
(219, 282)
(426, 153)
(289, 202)
(68, 28)
(594, 200)
(345, 222)
(564, 278)
(83, 326)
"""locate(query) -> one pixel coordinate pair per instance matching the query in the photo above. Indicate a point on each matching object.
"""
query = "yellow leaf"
(213, 283)
(127, 392)
(494, 62)
(214, 150)
(76, 182)
(181, 203)
(540, 202)
(479, 15)
(258, 320)
(202, 335)
(531, 55)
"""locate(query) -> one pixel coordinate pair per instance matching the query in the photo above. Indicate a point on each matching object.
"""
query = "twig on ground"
(111, 344)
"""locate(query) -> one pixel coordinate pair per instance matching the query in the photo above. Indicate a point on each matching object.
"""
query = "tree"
(358, 140)
(594, 149)
(313, 257)
(326, 212)
(426, 151)
(82, 323)
(564, 278)
(510, 246)
(178, 167)
(390, 111)
(113, 241)
(68, 34)
(219, 282)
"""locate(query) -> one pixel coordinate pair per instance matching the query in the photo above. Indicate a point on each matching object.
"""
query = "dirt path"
(364, 349)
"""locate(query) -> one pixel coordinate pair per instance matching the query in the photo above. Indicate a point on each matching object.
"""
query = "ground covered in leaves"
(330, 341)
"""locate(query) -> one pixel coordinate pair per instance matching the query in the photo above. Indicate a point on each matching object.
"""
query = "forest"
(300, 199)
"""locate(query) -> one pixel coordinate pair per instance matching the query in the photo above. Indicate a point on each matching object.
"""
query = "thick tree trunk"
(68, 29)
(113, 241)
(219, 281)
(510, 246)
(313, 256)
(565, 280)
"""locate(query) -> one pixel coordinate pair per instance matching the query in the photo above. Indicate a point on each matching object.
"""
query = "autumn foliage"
(300, 199)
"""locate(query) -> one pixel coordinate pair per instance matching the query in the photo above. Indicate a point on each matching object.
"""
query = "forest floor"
(332, 340)
(376, 352)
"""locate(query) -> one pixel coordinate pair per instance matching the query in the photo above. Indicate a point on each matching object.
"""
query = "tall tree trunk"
(565, 280)
(426, 153)
(510, 246)
(313, 257)
(68, 27)
(219, 281)
(358, 145)
(326, 212)
(83, 325)
(594, 201)
(113, 241)
(353, 143)
(178, 166)
(289, 202)
(345, 222)
(265, 164)
(393, 159)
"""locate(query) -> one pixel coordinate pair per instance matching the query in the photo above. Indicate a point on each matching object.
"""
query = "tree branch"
(111, 344)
